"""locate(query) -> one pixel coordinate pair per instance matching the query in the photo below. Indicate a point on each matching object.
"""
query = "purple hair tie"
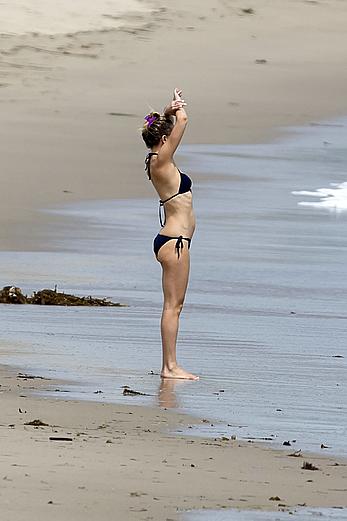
(151, 118)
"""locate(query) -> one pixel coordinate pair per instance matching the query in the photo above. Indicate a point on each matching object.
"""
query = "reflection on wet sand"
(166, 393)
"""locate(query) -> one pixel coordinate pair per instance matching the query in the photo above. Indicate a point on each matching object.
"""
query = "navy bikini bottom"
(160, 240)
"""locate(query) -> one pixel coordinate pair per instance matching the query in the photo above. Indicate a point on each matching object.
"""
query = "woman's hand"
(176, 104)
(177, 95)
(177, 98)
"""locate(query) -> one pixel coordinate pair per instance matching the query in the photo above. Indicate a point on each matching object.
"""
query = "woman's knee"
(173, 307)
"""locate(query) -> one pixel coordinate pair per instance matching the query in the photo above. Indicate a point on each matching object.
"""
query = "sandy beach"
(123, 459)
(73, 90)
(72, 104)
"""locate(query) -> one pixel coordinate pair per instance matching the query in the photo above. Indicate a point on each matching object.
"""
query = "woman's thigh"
(175, 272)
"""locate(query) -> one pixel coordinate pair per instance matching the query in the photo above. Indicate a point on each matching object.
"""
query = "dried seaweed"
(50, 297)
(309, 466)
(37, 423)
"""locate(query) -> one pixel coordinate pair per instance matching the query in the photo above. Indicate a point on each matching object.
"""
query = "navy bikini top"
(185, 186)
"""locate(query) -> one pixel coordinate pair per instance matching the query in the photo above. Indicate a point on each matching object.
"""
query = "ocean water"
(265, 320)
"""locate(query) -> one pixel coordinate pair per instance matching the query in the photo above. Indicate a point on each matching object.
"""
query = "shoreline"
(107, 217)
(43, 219)
(136, 465)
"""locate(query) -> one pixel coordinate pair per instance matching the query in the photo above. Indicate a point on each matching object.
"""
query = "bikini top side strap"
(147, 163)
(168, 199)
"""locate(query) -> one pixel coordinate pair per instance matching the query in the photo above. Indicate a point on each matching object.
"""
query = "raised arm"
(174, 109)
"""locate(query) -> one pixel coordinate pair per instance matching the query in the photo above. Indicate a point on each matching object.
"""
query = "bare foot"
(178, 372)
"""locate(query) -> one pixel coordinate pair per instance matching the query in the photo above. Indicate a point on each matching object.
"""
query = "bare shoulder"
(161, 168)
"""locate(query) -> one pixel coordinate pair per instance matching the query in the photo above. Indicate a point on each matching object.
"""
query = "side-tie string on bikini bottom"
(160, 240)
(179, 245)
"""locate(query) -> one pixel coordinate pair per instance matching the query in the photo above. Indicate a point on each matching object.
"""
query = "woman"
(162, 135)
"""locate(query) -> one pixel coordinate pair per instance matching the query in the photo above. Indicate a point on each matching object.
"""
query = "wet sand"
(293, 514)
(264, 318)
(124, 459)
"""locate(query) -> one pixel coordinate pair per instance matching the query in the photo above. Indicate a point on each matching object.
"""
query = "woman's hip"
(161, 239)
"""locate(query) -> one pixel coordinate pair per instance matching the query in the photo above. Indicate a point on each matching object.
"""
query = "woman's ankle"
(169, 366)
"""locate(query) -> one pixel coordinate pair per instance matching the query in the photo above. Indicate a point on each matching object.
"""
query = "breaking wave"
(333, 198)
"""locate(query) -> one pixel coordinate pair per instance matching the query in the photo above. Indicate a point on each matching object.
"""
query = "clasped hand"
(176, 104)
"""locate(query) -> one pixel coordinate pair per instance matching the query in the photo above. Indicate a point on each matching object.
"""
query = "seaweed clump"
(12, 295)
(50, 297)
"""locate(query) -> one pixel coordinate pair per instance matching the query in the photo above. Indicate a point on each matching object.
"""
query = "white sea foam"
(63, 16)
(334, 198)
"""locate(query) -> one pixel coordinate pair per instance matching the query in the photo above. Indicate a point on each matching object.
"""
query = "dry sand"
(52, 17)
(59, 141)
(122, 463)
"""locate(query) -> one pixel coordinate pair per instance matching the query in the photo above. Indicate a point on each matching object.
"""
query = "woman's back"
(174, 189)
